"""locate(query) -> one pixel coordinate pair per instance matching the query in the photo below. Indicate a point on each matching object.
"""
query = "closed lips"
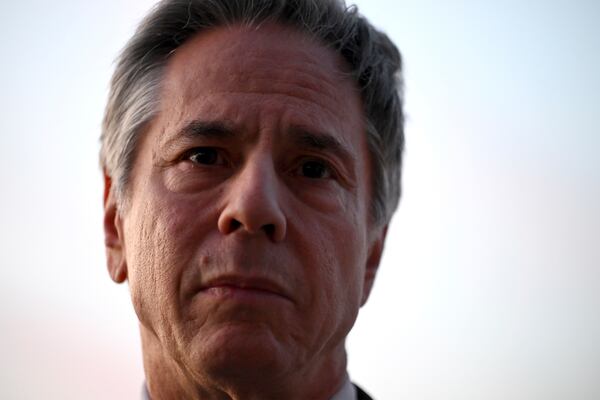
(225, 285)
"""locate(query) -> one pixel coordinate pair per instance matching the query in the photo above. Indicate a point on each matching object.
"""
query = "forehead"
(243, 57)
(266, 63)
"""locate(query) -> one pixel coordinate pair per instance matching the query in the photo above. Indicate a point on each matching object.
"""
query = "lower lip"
(248, 295)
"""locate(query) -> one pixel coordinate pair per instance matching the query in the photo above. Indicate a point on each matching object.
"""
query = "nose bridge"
(257, 182)
(253, 199)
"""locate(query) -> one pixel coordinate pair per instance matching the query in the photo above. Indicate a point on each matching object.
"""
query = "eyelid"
(221, 156)
(332, 172)
(338, 170)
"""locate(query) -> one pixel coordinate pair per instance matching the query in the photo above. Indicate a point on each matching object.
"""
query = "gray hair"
(375, 65)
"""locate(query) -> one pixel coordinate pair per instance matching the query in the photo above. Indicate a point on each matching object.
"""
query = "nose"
(253, 205)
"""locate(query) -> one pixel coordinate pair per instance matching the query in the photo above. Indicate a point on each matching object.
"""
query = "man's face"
(247, 240)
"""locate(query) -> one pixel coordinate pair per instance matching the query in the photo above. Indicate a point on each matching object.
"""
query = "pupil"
(313, 169)
(205, 156)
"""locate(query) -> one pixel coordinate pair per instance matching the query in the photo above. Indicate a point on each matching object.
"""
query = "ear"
(113, 234)
(373, 259)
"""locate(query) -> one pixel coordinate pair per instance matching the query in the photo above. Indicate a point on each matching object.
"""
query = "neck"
(168, 378)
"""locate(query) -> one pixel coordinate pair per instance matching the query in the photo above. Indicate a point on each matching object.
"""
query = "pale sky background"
(490, 283)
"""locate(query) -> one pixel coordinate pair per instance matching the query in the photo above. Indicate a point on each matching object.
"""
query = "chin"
(241, 351)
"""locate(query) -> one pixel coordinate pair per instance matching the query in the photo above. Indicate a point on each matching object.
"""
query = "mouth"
(244, 289)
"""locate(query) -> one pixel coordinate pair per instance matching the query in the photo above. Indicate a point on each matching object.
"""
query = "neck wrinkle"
(167, 379)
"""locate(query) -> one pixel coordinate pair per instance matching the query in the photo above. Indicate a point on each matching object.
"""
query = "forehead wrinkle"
(320, 92)
(320, 68)
(312, 69)
(206, 113)
(305, 99)
(322, 77)
(314, 78)
(309, 92)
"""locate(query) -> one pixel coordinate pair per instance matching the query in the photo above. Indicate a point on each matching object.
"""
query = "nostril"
(234, 225)
(269, 230)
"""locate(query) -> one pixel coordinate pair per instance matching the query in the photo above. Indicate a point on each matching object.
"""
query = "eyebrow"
(321, 141)
(205, 129)
(301, 136)
(199, 129)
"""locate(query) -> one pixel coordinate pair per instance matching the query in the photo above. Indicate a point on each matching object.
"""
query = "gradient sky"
(489, 286)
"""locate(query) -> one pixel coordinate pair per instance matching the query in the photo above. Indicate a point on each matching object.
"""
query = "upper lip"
(250, 283)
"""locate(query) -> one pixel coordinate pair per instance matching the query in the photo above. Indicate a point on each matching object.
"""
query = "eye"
(204, 156)
(313, 169)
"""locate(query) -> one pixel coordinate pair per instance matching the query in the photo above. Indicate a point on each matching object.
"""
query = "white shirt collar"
(347, 392)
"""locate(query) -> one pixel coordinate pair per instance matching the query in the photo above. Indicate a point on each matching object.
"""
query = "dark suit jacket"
(361, 395)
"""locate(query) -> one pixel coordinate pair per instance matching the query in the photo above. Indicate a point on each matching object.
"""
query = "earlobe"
(373, 259)
(113, 235)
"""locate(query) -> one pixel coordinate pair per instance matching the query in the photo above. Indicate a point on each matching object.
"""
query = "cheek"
(335, 259)
(347, 260)
(160, 244)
